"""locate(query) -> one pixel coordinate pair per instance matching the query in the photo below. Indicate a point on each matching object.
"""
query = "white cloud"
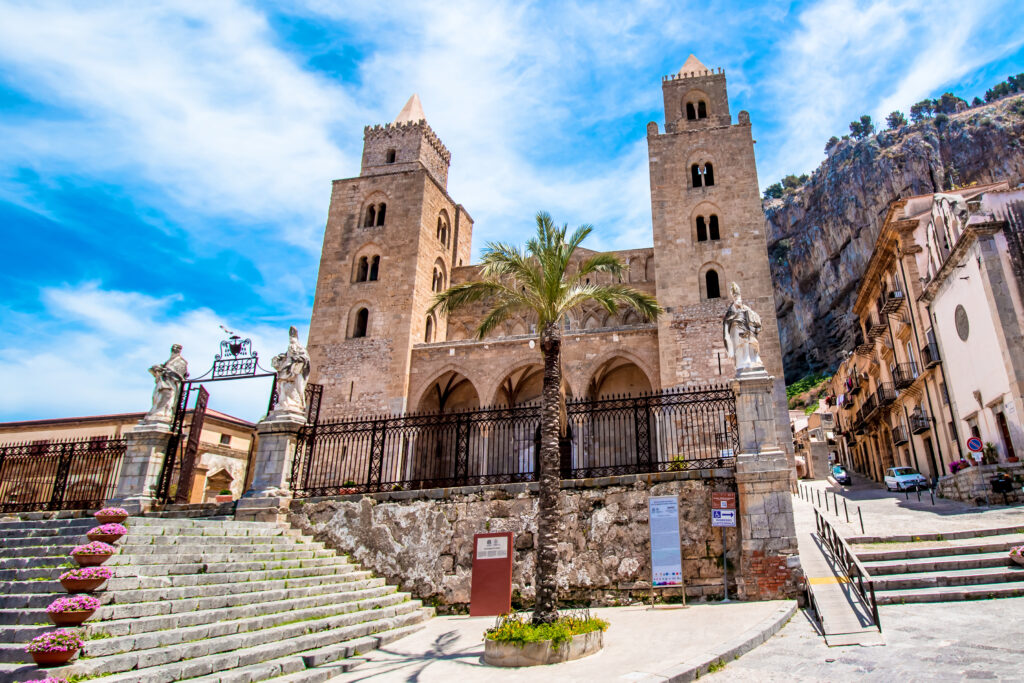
(90, 354)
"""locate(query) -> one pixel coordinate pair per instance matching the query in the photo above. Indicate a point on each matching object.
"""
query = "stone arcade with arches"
(395, 237)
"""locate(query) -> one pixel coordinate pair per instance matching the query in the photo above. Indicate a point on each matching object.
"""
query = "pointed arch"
(711, 280)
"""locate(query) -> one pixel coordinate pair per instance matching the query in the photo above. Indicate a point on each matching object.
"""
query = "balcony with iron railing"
(853, 382)
(899, 435)
(874, 327)
(904, 374)
(870, 406)
(885, 394)
(848, 404)
(892, 301)
(919, 422)
(930, 355)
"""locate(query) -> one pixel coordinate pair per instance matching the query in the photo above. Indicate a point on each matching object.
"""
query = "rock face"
(820, 237)
(425, 543)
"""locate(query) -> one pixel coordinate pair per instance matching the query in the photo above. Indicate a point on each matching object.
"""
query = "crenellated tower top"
(405, 144)
(695, 97)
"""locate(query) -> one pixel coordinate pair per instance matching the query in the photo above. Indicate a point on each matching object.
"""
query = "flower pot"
(91, 560)
(81, 585)
(1019, 559)
(53, 658)
(111, 519)
(70, 618)
(224, 499)
(106, 538)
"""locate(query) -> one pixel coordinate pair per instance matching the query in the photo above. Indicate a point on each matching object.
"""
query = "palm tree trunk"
(546, 606)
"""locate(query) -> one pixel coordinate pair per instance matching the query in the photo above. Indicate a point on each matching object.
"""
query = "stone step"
(264, 616)
(190, 660)
(961, 577)
(22, 633)
(192, 557)
(129, 580)
(13, 576)
(936, 564)
(948, 550)
(226, 603)
(27, 601)
(26, 617)
(38, 563)
(239, 565)
(951, 594)
(132, 541)
(62, 550)
(938, 536)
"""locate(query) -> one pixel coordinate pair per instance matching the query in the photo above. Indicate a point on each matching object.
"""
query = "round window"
(963, 327)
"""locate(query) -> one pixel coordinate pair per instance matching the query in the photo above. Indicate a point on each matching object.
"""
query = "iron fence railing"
(899, 435)
(919, 422)
(853, 571)
(930, 354)
(69, 474)
(657, 432)
(904, 374)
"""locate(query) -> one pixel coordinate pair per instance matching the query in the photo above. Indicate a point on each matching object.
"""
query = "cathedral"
(395, 237)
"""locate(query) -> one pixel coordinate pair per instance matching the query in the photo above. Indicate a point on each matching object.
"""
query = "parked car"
(904, 479)
(841, 476)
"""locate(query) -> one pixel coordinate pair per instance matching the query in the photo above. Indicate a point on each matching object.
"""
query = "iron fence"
(70, 474)
(664, 431)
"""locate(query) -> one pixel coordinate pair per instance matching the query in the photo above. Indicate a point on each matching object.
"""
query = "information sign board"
(666, 556)
(723, 501)
(723, 518)
(491, 586)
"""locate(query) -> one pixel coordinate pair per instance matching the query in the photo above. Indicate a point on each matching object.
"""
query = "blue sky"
(165, 167)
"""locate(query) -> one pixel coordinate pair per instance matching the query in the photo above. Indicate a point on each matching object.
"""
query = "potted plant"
(48, 679)
(990, 454)
(85, 579)
(72, 610)
(54, 648)
(111, 515)
(107, 533)
(93, 553)
(224, 496)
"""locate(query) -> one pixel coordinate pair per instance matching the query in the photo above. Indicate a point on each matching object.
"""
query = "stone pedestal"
(769, 563)
(143, 459)
(269, 495)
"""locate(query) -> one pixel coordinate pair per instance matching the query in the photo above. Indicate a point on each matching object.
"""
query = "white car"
(903, 479)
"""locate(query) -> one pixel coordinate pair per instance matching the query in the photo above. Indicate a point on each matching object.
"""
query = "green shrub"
(519, 630)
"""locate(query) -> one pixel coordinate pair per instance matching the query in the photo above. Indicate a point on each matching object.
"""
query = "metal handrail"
(852, 568)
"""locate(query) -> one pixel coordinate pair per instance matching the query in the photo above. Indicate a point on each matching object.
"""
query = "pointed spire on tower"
(412, 111)
(692, 67)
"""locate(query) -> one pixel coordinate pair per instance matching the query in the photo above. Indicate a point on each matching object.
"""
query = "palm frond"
(497, 315)
(462, 294)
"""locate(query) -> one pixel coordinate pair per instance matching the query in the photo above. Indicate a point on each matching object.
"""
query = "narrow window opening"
(709, 176)
(695, 175)
(362, 319)
(702, 229)
(371, 216)
(429, 336)
(391, 155)
(711, 284)
(713, 228)
(690, 113)
(361, 270)
(381, 210)
(374, 268)
(702, 110)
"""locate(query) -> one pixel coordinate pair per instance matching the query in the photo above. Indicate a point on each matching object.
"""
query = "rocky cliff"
(821, 235)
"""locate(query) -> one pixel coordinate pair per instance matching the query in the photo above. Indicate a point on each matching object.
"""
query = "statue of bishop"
(168, 377)
(292, 369)
(741, 326)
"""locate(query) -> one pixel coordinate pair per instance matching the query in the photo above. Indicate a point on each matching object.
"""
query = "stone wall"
(422, 540)
(974, 483)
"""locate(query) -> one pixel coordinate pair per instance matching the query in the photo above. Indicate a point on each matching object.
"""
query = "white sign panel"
(492, 548)
(666, 556)
(723, 518)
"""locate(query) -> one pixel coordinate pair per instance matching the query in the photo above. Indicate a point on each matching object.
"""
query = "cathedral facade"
(395, 237)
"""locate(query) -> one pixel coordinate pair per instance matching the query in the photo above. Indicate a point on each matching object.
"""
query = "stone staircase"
(970, 566)
(199, 600)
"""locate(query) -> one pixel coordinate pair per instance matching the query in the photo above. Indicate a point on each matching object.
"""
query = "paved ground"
(640, 641)
(888, 514)
(952, 641)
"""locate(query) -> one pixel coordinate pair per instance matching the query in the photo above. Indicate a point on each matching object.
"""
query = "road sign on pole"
(723, 514)
(974, 444)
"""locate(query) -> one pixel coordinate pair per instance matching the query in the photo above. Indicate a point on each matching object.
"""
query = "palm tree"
(539, 282)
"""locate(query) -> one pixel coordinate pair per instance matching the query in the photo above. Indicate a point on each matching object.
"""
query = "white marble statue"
(168, 377)
(741, 326)
(292, 369)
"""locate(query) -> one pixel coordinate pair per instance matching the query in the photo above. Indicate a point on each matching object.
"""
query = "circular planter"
(106, 538)
(1019, 559)
(91, 560)
(111, 519)
(70, 618)
(52, 658)
(223, 499)
(81, 585)
(538, 654)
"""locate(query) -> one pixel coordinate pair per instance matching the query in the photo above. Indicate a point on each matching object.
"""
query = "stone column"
(769, 563)
(269, 494)
(143, 459)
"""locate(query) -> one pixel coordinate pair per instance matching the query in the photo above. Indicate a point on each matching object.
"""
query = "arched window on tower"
(429, 334)
(371, 216)
(691, 114)
(362, 321)
(709, 176)
(702, 229)
(695, 175)
(711, 284)
(713, 227)
(381, 210)
(391, 156)
(702, 110)
(374, 268)
(362, 269)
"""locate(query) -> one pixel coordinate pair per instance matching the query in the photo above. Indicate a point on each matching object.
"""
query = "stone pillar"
(143, 460)
(769, 563)
(269, 494)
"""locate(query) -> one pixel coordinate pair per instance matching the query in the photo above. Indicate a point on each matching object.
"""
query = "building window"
(361, 323)
(707, 228)
(391, 156)
(225, 439)
(381, 210)
(371, 216)
(362, 269)
(702, 176)
(374, 268)
(429, 335)
(713, 227)
(702, 110)
(1004, 433)
(691, 113)
(702, 229)
(711, 285)
(442, 230)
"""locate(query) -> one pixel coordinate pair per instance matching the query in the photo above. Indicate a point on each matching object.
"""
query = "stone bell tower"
(393, 236)
(709, 231)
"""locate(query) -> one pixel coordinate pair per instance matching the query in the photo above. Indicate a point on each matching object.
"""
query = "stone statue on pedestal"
(168, 377)
(292, 369)
(741, 326)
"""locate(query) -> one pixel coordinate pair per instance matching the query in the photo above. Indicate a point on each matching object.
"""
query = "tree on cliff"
(921, 111)
(863, 128)
(896, 120)
(542, 282)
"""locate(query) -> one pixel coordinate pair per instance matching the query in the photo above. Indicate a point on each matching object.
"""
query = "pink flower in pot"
(85, 579)
(54, 647)
(72, 610)
(93, 553)
(108, 533)
(111, 515)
